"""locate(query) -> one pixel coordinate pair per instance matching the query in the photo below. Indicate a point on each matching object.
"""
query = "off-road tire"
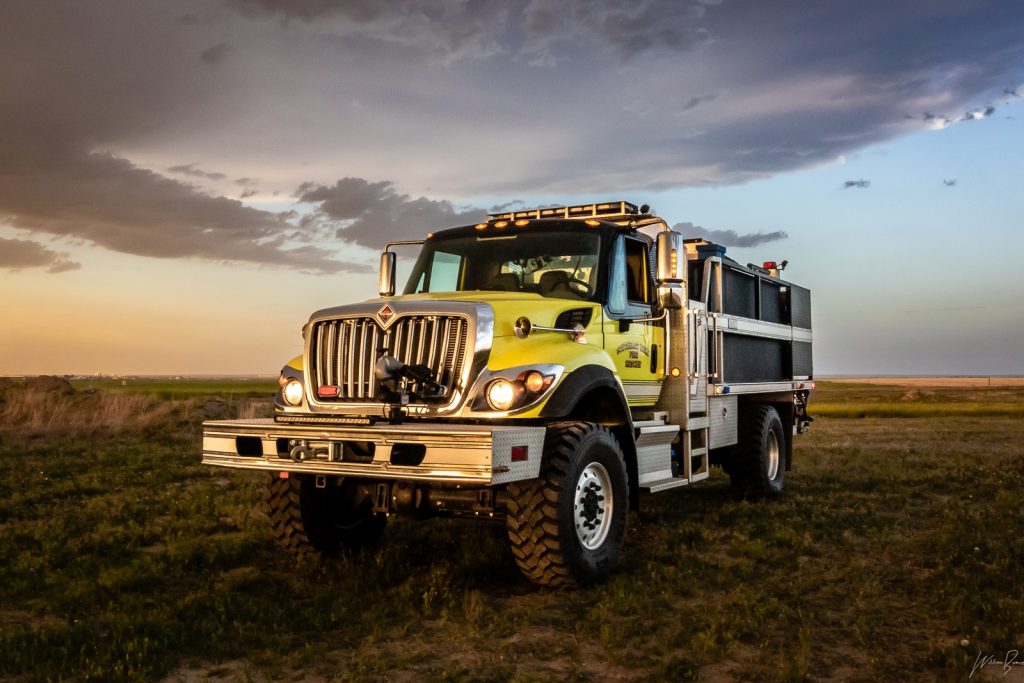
(542, 515)
(753, 470)
(307, 521)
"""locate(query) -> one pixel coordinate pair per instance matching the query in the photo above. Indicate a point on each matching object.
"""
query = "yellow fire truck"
(546, 367)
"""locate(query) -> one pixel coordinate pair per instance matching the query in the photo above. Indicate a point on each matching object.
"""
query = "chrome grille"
(343, 352)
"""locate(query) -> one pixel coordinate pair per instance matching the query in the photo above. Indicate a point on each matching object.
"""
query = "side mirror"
(671, 258)
(386, 279)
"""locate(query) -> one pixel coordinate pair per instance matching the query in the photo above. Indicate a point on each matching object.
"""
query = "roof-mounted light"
(604, 209)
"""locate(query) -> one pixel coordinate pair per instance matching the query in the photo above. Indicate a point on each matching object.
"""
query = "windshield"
(559, 263)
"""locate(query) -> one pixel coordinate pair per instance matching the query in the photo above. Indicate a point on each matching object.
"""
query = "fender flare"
(567, 400)
(578, 384)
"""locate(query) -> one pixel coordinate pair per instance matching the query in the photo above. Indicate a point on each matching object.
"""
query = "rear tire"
(757, 467)
(308, 521)
(567, 527)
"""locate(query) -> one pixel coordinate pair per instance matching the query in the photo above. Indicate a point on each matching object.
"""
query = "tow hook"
(301, 451)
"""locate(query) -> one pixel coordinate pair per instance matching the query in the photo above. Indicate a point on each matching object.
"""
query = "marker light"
(501, 224)
(480, 226)
(592, 223)
(292, 392)
(521, 222)
(534, 382)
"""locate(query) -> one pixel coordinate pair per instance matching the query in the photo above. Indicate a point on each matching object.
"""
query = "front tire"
(567, 527)
(757, 467)
(309, 521)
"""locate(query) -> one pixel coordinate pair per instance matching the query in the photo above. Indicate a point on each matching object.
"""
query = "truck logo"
(385, 314)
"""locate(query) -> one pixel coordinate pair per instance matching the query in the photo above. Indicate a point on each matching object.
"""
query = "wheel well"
(604, 405)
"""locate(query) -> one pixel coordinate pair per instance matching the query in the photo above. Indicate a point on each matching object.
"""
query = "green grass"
(850, 400)
(122, 558)
(181, 388)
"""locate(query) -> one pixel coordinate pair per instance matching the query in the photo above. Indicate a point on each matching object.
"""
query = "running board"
(665, 484)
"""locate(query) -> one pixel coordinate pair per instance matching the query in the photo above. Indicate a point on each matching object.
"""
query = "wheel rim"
(773, 455)
(592, 507)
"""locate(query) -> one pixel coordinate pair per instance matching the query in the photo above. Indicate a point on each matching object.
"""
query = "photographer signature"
(1012, 659)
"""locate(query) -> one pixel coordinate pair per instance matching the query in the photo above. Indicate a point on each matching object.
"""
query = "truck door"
(636, 346)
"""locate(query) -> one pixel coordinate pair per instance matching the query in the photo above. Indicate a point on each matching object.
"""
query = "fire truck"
(546, 368)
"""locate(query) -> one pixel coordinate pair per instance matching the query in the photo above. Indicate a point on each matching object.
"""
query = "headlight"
(504, 395)
(292, 392)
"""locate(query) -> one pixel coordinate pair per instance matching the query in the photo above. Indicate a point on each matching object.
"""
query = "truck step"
(665, 484)
(641, 424)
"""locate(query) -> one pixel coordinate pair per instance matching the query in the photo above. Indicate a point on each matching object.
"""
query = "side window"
(629, 291)
(637, 290)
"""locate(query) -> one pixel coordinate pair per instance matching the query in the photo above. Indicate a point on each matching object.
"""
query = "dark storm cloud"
(471, 97)
(627, 29)
(730, 238)
(536, 30)
(109, 202)
(55, 177)
(17, 254)
(374, 212)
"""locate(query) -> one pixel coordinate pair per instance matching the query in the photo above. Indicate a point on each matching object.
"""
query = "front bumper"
(454, 453)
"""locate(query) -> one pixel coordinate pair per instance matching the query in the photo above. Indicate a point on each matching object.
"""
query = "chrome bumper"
(457, 453)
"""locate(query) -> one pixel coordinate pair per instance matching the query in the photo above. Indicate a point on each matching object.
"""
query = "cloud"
(191, 170)
(940, 121)
(514, 205)
(57, 174)
(695, 102)
(730, 238)
(111, 203)
(537, 32)
(216, 54)
(861, 184)
(448, 100)
(372, 213)
(16, 254)
(626, 29)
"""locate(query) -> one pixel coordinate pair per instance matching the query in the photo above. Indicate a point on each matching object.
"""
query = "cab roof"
(605, 217)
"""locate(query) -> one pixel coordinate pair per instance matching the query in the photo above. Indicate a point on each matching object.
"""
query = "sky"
(182, 184)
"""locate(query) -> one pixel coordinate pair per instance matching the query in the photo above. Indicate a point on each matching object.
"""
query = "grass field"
(896, 554)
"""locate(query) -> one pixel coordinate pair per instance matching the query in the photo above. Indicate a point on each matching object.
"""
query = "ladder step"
(694, 452)
(695, 423)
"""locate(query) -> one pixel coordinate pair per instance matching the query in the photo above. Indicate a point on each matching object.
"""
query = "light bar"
(603, 209)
